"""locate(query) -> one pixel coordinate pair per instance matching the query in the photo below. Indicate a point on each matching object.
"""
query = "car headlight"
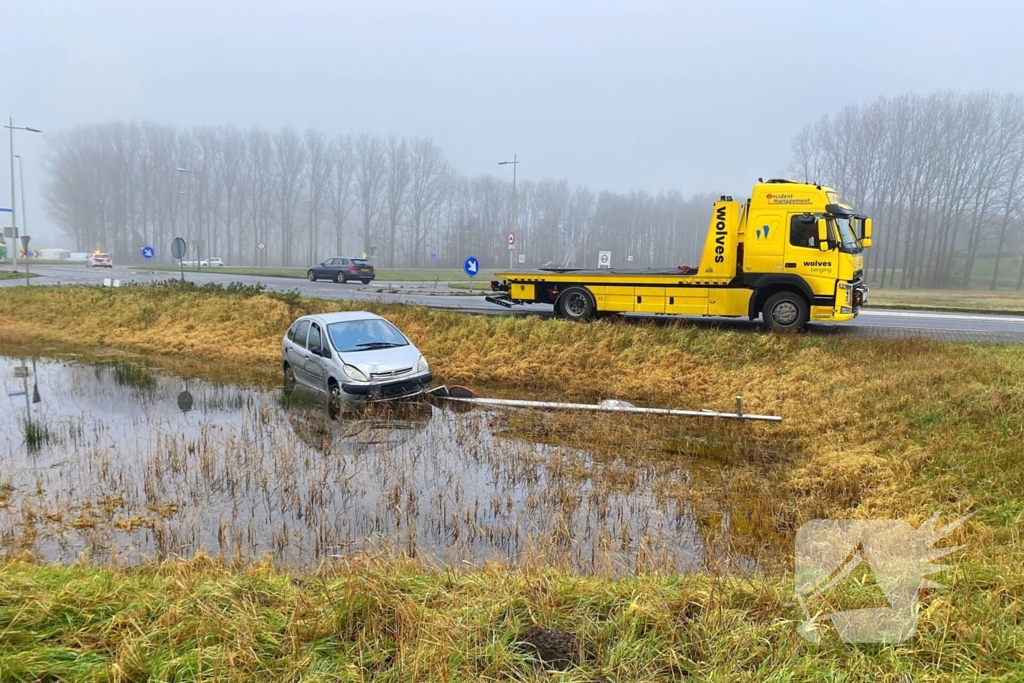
(422, 365)
(355, 373)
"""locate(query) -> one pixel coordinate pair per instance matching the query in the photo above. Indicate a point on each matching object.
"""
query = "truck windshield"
(847, 238)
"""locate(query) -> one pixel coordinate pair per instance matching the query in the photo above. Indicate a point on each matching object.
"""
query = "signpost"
(24, 244)
(472, 267)
(604, 259)
(148, 252)
(511, 247)
(178, 251)
(522, 258)
(262, 246)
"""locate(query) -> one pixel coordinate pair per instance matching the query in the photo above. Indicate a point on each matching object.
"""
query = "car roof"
(345, 316)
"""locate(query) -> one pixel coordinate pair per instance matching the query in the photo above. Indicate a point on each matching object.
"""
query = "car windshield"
(365, 335)
(847, 238)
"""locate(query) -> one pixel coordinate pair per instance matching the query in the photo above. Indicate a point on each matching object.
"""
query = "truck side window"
(803, 231)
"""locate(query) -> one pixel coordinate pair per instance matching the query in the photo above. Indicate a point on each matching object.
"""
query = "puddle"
(125, 463)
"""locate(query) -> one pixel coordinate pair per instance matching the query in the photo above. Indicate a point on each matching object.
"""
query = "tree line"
(942, 176)
(116, 187)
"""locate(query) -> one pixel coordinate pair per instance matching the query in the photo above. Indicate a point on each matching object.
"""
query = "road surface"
(964, 327)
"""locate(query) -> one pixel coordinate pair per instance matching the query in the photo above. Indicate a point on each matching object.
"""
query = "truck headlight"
(422, 365)
(355, 373)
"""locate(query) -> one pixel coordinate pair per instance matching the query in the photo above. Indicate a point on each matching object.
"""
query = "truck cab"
(792, 253)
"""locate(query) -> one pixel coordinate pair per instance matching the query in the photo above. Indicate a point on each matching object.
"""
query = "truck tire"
(576, 303)
(785, 312)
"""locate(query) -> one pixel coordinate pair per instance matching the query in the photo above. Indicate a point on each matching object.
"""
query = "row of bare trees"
(942, 176)
(118, 186)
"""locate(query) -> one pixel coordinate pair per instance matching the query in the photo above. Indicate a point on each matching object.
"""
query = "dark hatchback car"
(342, 270)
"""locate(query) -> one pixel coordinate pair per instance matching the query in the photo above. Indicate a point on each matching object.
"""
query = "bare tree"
(371, 166)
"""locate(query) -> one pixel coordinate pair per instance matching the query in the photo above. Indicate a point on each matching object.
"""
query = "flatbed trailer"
(792, 253)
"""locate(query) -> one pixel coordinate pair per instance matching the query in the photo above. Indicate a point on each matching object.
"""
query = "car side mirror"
(315, 352)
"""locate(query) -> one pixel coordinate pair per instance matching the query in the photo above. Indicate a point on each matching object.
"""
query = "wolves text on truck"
(792, 253)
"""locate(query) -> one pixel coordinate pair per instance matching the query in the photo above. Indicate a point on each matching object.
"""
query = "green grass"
(949, 300)
(11, 275)
(383, 274)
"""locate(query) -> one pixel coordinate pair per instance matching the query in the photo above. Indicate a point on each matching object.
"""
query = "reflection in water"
(134, 467)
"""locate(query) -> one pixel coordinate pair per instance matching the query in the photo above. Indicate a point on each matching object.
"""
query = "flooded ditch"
(122, 463)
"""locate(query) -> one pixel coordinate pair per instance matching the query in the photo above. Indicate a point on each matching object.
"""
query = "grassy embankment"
(872, 428)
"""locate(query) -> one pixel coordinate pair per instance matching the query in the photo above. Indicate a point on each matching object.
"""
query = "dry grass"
(871, 428)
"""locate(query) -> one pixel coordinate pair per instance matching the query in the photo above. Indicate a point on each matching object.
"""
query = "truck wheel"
(785, 312)
(576, 303)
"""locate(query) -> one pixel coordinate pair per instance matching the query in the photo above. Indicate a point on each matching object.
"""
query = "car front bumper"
(390, 390)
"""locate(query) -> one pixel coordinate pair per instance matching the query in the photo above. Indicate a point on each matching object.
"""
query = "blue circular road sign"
(147, 252)
(472, 266)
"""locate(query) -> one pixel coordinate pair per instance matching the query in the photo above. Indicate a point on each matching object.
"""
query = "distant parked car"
(341, 270)
(353, 356)
(215, 262)
(99, 260)
(190, 262)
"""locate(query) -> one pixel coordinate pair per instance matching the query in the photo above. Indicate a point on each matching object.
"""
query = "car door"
(331, 268)
(295, 351)
(315, 371)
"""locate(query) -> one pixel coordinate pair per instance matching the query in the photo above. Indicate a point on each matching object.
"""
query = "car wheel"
(785, 312)
(334, 391)
(366, 282)
(576, 303)
(310, 276)
(289, 376)
(340, 278)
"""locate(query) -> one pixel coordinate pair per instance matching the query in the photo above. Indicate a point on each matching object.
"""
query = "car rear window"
(361, 262)
(365, 335)
(102, 255)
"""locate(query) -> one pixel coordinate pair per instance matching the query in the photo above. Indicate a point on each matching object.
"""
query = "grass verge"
(11, 275)
(382, 274)
(1009, 302)
(872, 429)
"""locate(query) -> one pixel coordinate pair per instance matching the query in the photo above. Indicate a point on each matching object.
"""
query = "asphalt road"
(876, 322)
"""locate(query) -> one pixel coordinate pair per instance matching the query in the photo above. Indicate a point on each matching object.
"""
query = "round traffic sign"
(604, 258)
(471, 266)
(261, 245)
(148, 252)
(511, 238)
(178, 249)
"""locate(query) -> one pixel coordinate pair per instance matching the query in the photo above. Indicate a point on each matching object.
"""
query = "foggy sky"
(615, 95)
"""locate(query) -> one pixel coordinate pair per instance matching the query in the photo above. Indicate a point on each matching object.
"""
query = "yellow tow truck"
(792, 253)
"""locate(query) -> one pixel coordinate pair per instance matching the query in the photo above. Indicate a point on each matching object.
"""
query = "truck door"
(804, 258)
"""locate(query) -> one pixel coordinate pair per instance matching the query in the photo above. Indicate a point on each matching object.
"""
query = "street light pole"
(21, 181)
(14, 216)
(514, 163)
(104, 224)
(188, 202)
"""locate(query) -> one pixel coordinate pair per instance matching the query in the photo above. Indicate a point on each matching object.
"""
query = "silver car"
(353, 356)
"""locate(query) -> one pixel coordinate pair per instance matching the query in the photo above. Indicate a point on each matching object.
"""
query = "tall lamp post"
(513, 163)
(188, 196)
(104, 203)
(14, 215)
(21, 181)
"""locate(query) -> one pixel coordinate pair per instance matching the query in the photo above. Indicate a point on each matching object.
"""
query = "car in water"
(353, 356)
(99, 260)
(341, 269)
